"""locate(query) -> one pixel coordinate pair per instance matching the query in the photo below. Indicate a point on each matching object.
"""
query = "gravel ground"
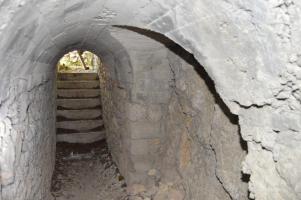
(86, 172)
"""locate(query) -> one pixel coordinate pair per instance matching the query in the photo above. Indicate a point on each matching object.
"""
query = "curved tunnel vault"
(154, 86)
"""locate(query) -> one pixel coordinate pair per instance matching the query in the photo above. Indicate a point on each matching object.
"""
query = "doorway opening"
(84, 168)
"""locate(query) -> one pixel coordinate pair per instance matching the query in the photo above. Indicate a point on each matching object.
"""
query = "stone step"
(79, 114)
(93, 84)
(79, 125)
(88, 137)
(77, 76)
(76, 104)
(78, 93)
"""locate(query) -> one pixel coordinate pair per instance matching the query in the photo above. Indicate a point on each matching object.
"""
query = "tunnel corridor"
(84, 168)
(195, 100)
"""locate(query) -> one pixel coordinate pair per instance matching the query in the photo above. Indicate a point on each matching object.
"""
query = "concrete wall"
(249, 49)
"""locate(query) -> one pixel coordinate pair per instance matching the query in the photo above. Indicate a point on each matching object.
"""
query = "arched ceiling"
(220, 41)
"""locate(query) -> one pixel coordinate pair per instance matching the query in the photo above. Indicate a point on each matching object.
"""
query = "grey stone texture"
(250, 49)
(79, 125)
(202, 149)
(78, 103)
(82, 138)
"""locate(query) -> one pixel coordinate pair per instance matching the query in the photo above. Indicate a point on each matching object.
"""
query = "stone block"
(142, 163)
(139, 147)
(136, 111)
(144, 130)
(154, 112)
(136, 189)
(137, 177)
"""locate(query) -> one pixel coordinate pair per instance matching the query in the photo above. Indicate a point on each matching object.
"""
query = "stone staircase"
(79, 115)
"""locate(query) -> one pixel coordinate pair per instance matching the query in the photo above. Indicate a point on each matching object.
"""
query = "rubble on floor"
(86, 172)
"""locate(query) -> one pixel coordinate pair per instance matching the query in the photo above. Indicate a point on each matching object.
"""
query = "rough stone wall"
(27, 130)
(133, 111)
(251, 51)
(202, 150)
(114, 100)
(169, 111)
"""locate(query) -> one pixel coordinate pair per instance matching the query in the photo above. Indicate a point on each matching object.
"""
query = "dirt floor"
(86, 172)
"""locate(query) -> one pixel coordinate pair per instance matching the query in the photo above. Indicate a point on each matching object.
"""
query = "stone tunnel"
(201, 99)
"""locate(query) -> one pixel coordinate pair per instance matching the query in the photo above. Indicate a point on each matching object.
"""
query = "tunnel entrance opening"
(170, 133)
(79, 110)
(78, 61)
(84, 168)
